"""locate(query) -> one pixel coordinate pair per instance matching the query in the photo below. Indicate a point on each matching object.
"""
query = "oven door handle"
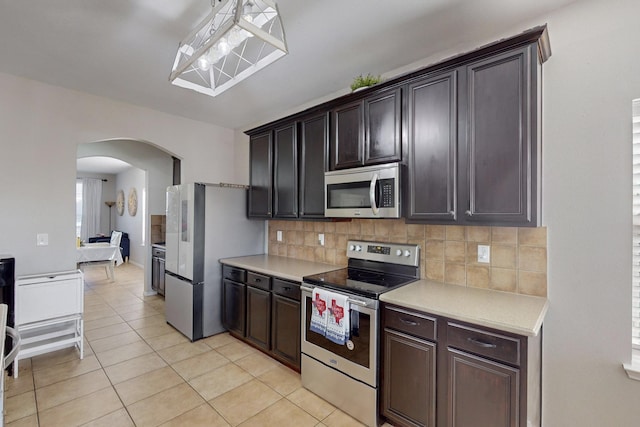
(351, 301)
(356, 302)
(372, 194)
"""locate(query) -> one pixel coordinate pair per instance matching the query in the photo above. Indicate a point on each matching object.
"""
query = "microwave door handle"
(372, 194)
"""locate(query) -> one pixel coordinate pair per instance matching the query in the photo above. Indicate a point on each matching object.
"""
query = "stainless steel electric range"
(348, 375)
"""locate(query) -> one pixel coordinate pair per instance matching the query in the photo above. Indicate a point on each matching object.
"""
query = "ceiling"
(124, 49)
(101, 165)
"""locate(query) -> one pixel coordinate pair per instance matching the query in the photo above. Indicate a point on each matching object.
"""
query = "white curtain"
(91, 207)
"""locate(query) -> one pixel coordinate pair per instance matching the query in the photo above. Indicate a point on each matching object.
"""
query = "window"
(78, 206)
(633, 368)
(636, 226)
(143, 206)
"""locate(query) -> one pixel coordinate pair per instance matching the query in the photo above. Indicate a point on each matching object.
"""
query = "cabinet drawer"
(286, 289)
(413, 323)
(484, 343)
(233, 273)
(259, 281)
(160, 253)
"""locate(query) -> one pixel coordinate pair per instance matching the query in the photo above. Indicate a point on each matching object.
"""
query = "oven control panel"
(378, 249)
(395, 253)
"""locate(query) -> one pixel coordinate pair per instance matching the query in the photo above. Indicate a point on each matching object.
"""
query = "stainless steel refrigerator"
(205, 222)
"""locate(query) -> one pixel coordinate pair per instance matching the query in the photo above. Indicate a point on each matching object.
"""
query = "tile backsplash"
(158, 228)
(518, 256)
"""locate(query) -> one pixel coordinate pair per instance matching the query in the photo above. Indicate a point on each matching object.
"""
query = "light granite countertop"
(283, 267)
(519, 314)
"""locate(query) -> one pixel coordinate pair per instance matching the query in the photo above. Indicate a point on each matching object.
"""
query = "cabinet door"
(285, 172)
(499, 160)
(285, 330)
(382, 122)
(347, 136)
(233, 306)
(259, 317)
(482, 393)
(409, 383)
(260, 180)
(160, 288)
(432, 141)
(314, 137)
(155, 272)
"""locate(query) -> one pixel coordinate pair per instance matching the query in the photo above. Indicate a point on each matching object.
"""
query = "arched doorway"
(151, 170)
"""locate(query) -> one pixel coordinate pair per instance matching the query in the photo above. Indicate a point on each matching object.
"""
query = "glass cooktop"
(356, 281)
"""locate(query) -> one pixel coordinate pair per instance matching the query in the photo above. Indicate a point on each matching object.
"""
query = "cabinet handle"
(452, 213)
(286, 288)
(257, 280)
(480, 343)
(409, 322)
(468, 213)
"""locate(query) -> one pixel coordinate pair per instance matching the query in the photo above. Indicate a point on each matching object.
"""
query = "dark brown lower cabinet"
(409, 395)
(259, 317)
(233, 306)
(482, 393)
(285, 330)
(264, 311)
(285, 322)
(473, 377)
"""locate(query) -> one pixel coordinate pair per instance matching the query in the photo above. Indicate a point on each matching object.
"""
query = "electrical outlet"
(484, 253)
(321, 239)
(42, 239)
(279, 235)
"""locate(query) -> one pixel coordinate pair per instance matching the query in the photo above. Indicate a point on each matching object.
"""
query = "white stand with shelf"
(48, 314)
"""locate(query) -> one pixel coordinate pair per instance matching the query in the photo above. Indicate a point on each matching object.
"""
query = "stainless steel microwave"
(366, 192)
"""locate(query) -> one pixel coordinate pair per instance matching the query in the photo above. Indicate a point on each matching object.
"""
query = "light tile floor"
(139, 371)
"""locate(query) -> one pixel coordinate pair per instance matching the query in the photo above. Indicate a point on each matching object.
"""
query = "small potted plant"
(361, 81)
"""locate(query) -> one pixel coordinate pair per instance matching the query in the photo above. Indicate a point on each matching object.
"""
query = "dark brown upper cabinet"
(347, 135)
(314, 139)
(260, 175)
(285, 171)
(432, 133)
(499, 147)
(473, 147)
(382, 127)
(367, 131)
(293, 182)
(467, 130)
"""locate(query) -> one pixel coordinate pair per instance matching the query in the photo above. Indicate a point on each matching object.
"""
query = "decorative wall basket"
(132, 204)
(120, 202)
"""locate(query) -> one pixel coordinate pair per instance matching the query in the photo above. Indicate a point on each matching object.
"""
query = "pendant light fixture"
(238, 38)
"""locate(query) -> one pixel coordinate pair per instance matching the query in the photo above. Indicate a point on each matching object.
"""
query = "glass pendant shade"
(238, 38)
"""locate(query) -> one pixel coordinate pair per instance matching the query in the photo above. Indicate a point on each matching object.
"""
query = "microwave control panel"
(386, 186)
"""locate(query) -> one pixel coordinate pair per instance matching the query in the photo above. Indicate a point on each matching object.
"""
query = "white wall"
(241, 160)
(589, 84)
(41, 127)
(125, 181)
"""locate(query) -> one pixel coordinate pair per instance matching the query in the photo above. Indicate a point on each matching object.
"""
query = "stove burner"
(366, 276)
